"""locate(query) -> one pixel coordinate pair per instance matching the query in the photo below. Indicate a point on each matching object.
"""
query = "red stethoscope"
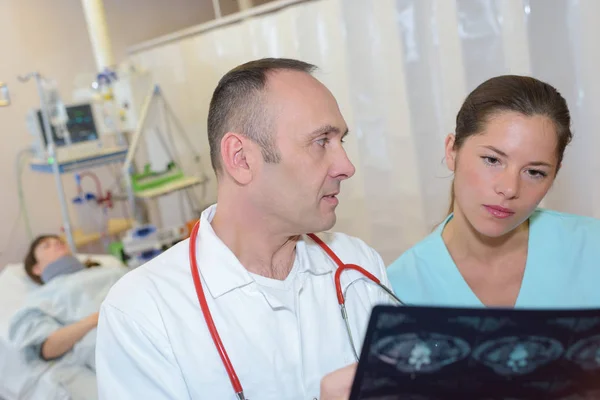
(235, 382)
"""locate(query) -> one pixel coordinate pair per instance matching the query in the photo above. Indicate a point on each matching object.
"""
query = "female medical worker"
(496, 247)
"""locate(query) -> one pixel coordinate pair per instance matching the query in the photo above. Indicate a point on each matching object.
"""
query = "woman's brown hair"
(522, 94)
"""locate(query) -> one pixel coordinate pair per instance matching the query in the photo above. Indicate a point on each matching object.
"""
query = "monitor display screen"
(81, 125)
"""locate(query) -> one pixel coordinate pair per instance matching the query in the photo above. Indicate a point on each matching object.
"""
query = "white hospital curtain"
(400, 70)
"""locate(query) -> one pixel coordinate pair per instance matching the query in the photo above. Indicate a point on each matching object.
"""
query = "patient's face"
(502, 174)
(48, 251)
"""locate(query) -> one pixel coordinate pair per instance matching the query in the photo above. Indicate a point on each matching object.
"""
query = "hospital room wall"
(51, 37)
(400, 70)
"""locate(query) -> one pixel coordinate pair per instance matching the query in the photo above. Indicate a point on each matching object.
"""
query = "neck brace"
(63, 266)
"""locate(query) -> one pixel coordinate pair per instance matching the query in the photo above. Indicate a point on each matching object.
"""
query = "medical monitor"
(82, 130)
(80, 124)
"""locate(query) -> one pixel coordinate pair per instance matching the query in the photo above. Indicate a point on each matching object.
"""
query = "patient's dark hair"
(30, 259)
(522, 94)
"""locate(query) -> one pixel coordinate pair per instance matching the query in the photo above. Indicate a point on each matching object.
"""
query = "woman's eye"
(490, 160)
(534, 173)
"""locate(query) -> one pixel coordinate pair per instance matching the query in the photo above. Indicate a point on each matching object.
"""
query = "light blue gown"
(63, 301)
(562, 270)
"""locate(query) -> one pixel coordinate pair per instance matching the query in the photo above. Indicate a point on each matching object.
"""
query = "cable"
(96, 180)
(118, 192)
(22, 201)
(22, 210)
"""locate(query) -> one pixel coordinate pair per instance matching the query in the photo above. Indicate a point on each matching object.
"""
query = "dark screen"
(80, 124)
(443, 353)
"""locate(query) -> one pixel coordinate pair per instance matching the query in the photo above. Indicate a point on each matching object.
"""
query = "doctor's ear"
(236, 156)
(450, 151)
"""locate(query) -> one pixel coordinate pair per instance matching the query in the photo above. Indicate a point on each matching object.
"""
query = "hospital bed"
(21, 380)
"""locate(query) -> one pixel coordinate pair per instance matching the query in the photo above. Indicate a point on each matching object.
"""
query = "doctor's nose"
(508, 184)
(342, 168)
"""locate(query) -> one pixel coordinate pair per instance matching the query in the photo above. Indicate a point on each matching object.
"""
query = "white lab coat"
(153, 342)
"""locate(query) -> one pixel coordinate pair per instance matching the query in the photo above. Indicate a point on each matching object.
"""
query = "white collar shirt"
(153, 341)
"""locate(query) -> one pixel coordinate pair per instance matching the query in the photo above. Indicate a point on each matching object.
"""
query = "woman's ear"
(450, 151)
(36, 269)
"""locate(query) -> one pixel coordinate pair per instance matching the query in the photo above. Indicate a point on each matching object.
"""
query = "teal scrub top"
(562, 269)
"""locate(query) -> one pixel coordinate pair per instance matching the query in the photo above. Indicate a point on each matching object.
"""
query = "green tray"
(150, 179)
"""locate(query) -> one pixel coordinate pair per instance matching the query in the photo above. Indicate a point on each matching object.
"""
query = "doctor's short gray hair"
(238, 105)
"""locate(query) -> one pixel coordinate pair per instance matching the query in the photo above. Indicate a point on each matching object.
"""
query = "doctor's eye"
(490, 160)
(322, 142)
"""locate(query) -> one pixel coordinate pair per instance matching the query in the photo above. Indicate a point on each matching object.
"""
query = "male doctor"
(276, 144)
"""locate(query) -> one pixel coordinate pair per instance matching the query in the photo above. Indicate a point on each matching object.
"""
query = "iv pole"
(51, 148)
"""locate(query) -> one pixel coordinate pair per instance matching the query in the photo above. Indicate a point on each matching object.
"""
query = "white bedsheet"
(18, 379)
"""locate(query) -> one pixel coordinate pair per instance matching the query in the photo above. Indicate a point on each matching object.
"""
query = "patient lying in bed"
(59, 319)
